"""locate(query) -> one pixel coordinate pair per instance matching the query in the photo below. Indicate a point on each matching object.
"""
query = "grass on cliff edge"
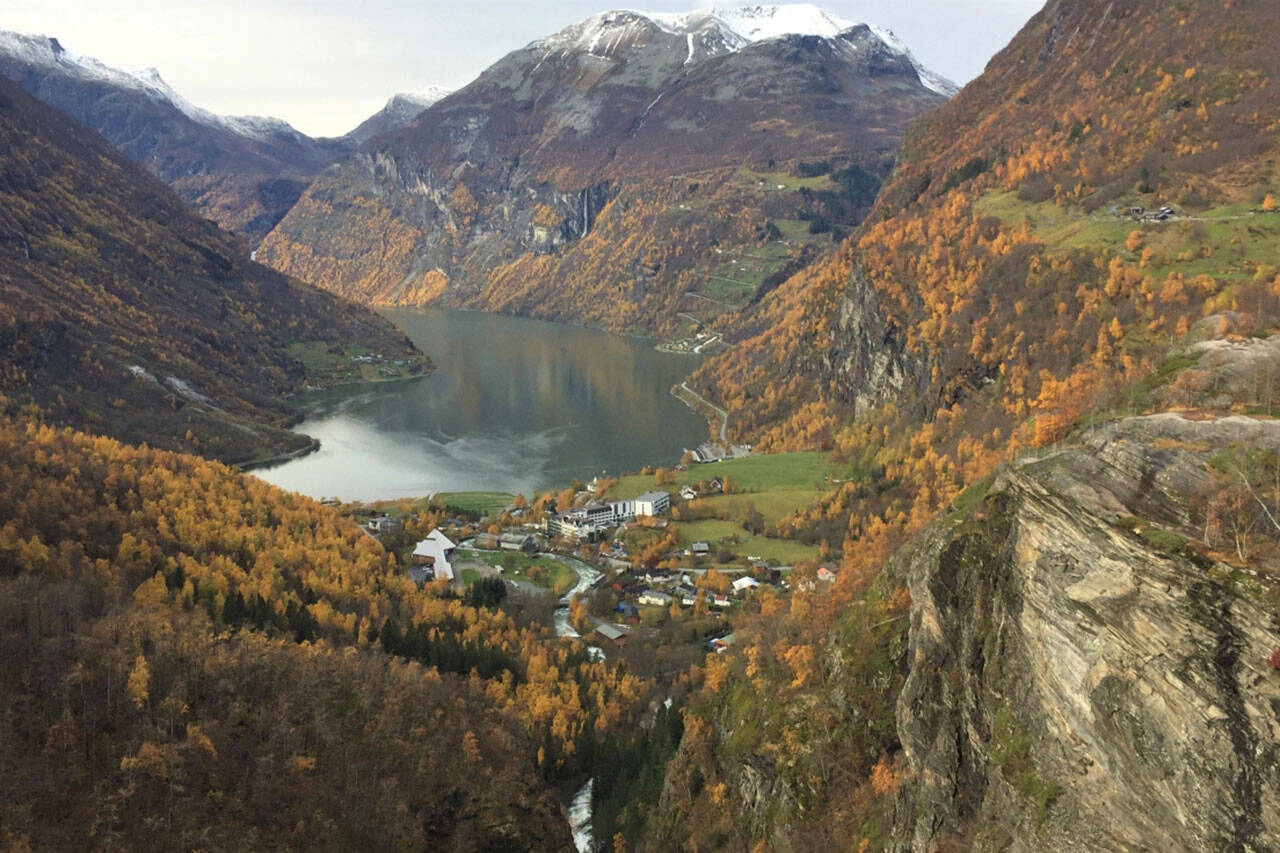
(1228, 241)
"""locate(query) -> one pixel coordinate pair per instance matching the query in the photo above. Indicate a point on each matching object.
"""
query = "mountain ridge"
(244, 172)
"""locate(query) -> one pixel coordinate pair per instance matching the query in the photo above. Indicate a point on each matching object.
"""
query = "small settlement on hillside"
(588, 523)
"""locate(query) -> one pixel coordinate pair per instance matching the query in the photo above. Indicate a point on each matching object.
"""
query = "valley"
(704, 430)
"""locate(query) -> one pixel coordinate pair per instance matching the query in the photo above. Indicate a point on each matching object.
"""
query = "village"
(622, 569)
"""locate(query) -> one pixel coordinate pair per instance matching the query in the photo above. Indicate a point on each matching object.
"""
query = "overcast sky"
(325, 65)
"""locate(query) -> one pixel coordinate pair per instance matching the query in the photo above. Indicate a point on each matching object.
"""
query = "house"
(718, 600)
(700, 549)
(689, 493)
(654, 598)
(827, 572)
(431, 557)
(526, 542)
(487, 541)
(652, 503)
(612, 633)
(743, 584)
(716, 484)
(383, 524)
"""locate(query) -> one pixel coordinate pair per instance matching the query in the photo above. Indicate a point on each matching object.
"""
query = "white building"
(744, 583)
(652, 503)
(431, 558)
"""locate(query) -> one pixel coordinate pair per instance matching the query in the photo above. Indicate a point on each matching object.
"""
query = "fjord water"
(514, 405)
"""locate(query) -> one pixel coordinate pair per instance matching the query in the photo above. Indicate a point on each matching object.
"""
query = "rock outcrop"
(1084, 675)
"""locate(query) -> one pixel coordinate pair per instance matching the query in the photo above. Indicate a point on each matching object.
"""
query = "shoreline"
(280, 458)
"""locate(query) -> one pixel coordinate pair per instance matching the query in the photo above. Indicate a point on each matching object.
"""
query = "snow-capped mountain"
(242, 171)
(399, 110)
(47, 52)
(573, 165)
(720, 30)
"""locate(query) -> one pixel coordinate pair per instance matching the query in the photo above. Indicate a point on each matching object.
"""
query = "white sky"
(326, 65)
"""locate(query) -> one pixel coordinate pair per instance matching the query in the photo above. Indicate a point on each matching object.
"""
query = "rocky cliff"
(1085, 673)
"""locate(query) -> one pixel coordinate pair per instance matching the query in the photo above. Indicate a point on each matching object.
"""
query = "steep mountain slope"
(1004, 248)
(620, 172)
(1081, 653)
(124, 313)
(243, 172)
(400, 110)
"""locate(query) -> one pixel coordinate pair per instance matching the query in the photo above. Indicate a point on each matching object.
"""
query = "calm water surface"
(514, 405)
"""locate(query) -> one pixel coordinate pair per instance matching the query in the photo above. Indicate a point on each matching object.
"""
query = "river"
(515, 405)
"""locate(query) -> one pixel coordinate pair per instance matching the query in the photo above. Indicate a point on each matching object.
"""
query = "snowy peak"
(756, 23)
(48, 53)
(400, 110)
(720, 30)
(422, 97)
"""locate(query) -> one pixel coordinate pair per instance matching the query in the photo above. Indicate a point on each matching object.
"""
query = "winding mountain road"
(724, 416)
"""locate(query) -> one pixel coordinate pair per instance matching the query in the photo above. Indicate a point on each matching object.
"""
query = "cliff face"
(1081, 678)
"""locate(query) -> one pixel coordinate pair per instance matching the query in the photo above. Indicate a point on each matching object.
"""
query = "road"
(724, 416)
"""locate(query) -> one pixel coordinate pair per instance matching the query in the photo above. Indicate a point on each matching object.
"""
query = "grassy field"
(787, 181)
(718, 532)
(545, 572)
(1224, 242)
(775, 484)
(753, 475)
(739, 273)
(481, 502)
(328, 367)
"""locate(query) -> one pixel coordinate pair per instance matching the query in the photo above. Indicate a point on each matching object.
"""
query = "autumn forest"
(992, 559)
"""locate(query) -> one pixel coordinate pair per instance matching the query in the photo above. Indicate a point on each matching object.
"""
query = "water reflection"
(515, 405)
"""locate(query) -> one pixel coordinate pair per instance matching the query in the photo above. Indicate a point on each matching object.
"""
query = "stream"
(580, 805)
